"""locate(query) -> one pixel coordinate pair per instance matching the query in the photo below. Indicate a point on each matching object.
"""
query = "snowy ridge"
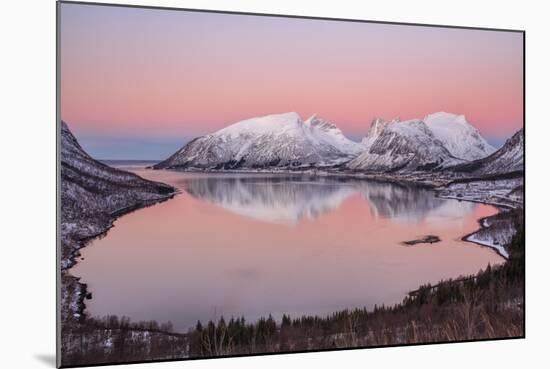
(402, 146)
(92, 192)
(280, 140)
(507, 159)
(284, 141)
(323, 132)
(377, 127)
(436, 142)
(459, 137)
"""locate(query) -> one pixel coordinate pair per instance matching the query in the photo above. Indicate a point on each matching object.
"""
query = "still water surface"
(253, 245)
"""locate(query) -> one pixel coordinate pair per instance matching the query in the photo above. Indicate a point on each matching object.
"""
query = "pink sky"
(163, 74)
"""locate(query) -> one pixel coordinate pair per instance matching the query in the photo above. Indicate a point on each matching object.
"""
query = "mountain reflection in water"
(251, 245)
(290, 200)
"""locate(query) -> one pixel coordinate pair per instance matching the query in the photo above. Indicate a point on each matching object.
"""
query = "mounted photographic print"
(240, 184)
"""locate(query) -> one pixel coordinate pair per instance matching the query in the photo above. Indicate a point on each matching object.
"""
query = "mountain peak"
(315, 121)
(461, 138)
(440, 139)
(313, 117)
(443, 117)
(278, 140)
(377, 126)
(507, 159)
(263, 125)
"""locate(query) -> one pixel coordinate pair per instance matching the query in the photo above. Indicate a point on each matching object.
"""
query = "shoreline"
(83, 292)
(418, 181)
(114, 215)
(77, 306)
(500, 250)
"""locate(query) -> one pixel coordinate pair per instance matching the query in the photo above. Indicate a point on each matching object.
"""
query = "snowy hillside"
(92, 193)
(281, 140)
(507, 159)
(376, 128)
(438, 141)
(459, 137)
(402, 146)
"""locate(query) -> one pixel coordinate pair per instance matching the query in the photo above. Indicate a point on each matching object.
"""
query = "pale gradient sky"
(139, 83)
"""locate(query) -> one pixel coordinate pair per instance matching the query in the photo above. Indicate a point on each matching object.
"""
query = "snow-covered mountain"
(376, 128)
(280, 140)
(402, 146)
(459, 137)
(438, 141)
(508, 159)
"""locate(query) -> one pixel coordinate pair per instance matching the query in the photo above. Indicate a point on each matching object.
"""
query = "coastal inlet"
(251, 245)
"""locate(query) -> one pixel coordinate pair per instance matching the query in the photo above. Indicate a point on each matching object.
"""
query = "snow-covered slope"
(92, 193)
(508, 159)
(402, 146)
(459, 137)
(438, 141)
(322, 132)
(376, 128)
(280, 140)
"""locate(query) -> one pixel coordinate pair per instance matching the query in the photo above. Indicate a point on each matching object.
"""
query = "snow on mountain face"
(324, 132)
(438, 141)
(377, 127)
(459, 137)
(507, 159)
(80, 169)
(92, 191)
(402, 146)
(281, 140)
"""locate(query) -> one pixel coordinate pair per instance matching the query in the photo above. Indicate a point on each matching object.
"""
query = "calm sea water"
(254, 245)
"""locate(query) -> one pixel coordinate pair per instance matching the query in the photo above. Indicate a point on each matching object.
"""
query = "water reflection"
(237, 245)
(293, 199)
